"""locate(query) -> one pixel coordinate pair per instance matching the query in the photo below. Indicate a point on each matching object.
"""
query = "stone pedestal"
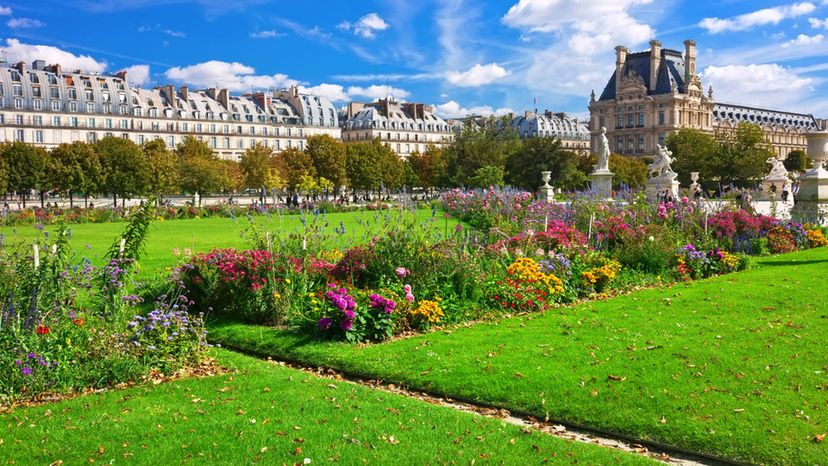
(602, 183)
(546, 193)
(656, 186)
(812, 198)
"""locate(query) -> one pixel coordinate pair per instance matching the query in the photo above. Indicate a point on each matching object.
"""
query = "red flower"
(79, 322)
(42, 330)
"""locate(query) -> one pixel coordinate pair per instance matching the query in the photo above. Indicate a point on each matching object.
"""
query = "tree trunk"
(123, 203)
(42, 195)
(114, 200)
(85, 201)
(24, 200)
(71, 203)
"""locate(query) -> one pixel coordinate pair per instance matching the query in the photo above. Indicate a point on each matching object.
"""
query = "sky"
(461, 56)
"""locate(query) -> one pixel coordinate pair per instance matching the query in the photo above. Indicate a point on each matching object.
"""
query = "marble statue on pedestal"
(662, 177)
(603, 152)
(661, 164)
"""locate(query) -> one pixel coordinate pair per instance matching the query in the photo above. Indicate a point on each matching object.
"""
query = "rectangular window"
(90, 107)
(226, 143)
(240, 143)
(38, 136)
(18, 119)
(54, 92)
(252, 143)
(640, 118)
(17, 90)
(141, 139)
(56, 121)
(185, 127)
(73, 106)
(619, 121)
(276, 144)
(631, 143)
(91, 123)
(252, 130)
(91, 137)
(18, 103)
(37, 104)
(37, 120)
(124, 124)
(630, 119)
(640, 143)
(661, 117)
(55, 105)
(19, 135)
(661, 137)
(108, 122)
(287, 130)
(212, 128)
(170, 141)
(74, 122)
(213, 143)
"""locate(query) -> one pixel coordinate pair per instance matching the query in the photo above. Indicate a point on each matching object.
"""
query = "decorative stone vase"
(812, 199)
(547, 192)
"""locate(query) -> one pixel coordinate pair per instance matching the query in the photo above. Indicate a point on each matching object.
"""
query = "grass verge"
(273, 415)
(733, 366)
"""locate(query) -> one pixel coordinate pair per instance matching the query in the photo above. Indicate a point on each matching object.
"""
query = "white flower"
(651, 238)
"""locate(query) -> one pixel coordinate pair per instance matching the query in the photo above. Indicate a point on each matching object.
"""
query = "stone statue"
(603, 152)
(661, 164)
(778, 170)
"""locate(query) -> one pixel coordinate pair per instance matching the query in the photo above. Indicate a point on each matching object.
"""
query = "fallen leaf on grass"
(820, 437)
(617, 378)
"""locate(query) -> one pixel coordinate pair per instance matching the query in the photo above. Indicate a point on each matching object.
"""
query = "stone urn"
(547, 192)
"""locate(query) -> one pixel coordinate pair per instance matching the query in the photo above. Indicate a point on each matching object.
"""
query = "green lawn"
(273, 415)
(201, 235)
(735, 365)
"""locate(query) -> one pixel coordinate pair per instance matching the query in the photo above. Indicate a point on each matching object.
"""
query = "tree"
(429, 167)
(329, 158)
(233, 179)
(125, 168)
(363, 166)
(742, 154)
(488, 176)
(258, 165)
(163, 167)
(392, 166)
(694, 151)
(797, 161)
(538, 154)
(200, 170)
(293, 164)
(629, 171)
(25, 167)
(75, 167)
(480, 146)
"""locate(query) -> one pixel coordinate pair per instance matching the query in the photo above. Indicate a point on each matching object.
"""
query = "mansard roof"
(724, 112)
(670, 72)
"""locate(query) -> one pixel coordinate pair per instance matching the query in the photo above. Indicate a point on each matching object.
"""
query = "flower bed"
(67, 326)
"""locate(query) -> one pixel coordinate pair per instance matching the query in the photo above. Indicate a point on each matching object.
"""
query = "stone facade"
(655, 92)
(404, 127)
(574, 135)
(46, 106)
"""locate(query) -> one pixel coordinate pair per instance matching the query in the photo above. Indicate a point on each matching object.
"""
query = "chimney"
(527, 114)
(689, 59)
(262, 99)
(224, 98)
(620, 61)
(38, 65)
(21, 67)
(655, 63)
(185, 93)
(211, 92)
(123, 75)
(168, 92)
(54, 69)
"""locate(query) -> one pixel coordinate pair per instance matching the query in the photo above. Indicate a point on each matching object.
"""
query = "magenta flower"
(324, 323)
(409, 297)
(402, 272)
(346, 324)
(349, 314)
(407, 288)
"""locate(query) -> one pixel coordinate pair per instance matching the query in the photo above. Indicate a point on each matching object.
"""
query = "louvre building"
(47, 106)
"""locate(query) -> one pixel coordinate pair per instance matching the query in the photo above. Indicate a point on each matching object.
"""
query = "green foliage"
(259, 168)
(629, 171)
(488, 176)
(329, 158)
(538, 154)
(126, 169)
(76, 167)
(489, 145)
(364, 164)
(694, 151)
(163, 174)
(293, 165)
(649, 249)
(200, 170)
(25, 167)
(742, 154)
(797, 161)
(429, 167)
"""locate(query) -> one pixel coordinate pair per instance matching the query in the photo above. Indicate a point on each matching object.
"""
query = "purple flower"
(324, 323)
(349, 314)
(346, 324)
(26, 370)
(402, 272)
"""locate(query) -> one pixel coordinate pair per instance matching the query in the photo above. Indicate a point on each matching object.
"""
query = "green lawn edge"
(733, 366)
(269, 414)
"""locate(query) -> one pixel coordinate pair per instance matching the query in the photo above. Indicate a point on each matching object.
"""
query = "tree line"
(483, 154)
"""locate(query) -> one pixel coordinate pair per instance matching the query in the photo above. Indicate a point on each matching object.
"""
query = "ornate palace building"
(574, 135)
(47, 106)
(403, 126)
(658, 91)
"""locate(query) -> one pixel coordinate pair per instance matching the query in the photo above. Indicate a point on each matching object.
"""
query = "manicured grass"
(272, 415)
(735, 365)
(201, 235)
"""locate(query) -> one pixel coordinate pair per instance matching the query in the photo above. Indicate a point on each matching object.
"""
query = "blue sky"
(459, 55)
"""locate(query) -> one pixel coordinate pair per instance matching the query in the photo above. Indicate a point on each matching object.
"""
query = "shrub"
(648, 248)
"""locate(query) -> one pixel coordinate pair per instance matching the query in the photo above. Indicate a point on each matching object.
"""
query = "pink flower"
(409, 297)
(407, 288)
(402, 272)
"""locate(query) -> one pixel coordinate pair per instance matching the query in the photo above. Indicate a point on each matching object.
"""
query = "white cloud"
(266, 34)
(138, 75)
(804, 39)
(766, 85)
(332, 92)
(818, 23)
(366, 27)
(5, 11)
(452, 109)
(555, 15)
(173, 33)
(338, 93)
(16, 23)
(235, 76)
(477, 75)
(17, 51)
(761, 17)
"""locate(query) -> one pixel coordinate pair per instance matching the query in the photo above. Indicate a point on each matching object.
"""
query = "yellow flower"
(428, 311)
(287, 280)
